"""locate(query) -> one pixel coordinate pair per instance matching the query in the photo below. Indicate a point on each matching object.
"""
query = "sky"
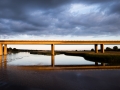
(60, 20)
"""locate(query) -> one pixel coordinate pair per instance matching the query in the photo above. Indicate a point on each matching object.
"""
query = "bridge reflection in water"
(52, 60)
(3, 62)
(0, 62)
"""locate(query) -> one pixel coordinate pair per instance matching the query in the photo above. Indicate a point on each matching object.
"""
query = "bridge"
(4, 43)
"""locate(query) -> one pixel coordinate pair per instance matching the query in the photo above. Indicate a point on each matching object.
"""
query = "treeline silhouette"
(115, 48)
(11, 50)
(17, 50)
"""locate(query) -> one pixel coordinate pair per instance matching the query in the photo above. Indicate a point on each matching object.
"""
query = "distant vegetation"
(12, 50)
(115, 48)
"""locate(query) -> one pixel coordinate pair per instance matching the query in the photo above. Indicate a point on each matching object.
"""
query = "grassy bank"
(107, 57)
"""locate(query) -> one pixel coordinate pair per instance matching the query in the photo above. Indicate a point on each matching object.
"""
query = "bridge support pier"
(1, 49)
(96, 48)
(5, 49)
(52, 49)
(5, 61)
(102, 48)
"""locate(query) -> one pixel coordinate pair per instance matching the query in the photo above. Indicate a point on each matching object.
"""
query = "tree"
(14, 49)
(92, 49)
(9, 49)
(108, 49)
(115, 48)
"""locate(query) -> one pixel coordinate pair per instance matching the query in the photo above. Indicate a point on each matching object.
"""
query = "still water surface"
(24, 58)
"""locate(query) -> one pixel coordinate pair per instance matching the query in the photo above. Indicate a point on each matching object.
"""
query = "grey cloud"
(92, 24)
(115, 8)
(45, 17)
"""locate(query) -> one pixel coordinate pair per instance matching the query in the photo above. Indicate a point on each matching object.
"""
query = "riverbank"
(107, 57)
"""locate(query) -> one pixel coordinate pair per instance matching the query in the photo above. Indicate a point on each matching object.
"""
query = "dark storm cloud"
(115, 8)
(51, 17)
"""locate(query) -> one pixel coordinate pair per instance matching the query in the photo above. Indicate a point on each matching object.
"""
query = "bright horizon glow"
(58, 47)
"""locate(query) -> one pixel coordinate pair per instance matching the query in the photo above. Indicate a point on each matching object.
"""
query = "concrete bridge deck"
(73, 42)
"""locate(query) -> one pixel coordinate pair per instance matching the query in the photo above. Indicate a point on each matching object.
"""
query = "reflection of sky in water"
(70, 60)
(32, 59)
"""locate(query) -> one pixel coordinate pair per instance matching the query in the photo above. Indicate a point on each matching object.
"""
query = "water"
(25, 59)
(15, 76)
